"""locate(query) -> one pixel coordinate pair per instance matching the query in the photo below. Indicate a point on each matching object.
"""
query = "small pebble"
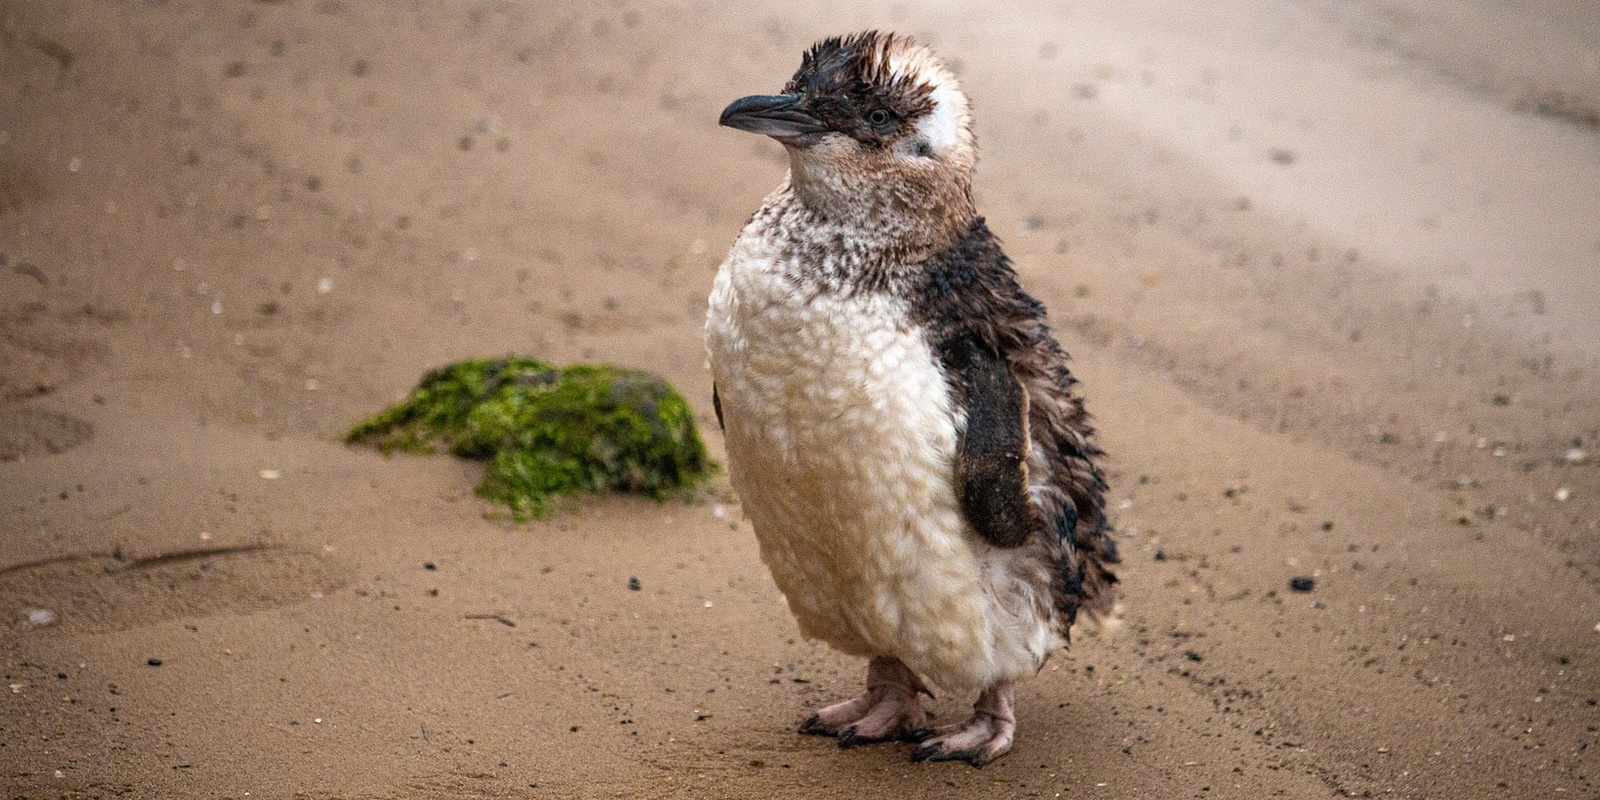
(1576, 455)
(429, 565)
(634, 585)
(1563, 494)
(154, 662)
(1301, 583)
(40, 617)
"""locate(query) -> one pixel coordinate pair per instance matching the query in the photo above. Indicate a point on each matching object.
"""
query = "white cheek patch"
(941, 126)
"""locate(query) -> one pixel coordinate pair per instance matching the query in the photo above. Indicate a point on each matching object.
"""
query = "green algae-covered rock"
(546, 431)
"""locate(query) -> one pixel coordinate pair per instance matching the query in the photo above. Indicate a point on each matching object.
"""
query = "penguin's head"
(869, 108)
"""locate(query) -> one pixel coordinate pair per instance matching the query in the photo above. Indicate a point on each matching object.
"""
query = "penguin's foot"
(982, 738)
(889, 709)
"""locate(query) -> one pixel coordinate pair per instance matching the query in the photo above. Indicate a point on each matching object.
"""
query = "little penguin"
(901, 426)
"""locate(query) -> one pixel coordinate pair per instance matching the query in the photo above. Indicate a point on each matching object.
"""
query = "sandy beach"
(1329, 273)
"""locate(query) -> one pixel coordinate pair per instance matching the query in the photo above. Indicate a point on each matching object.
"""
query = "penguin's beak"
(775, 115)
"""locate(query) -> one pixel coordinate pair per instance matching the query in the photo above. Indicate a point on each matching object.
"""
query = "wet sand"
(1329, 273)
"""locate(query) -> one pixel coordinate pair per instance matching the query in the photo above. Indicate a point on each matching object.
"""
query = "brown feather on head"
(849, 85)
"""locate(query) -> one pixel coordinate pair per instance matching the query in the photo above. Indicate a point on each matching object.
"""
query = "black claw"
(850, 738)
(916, 735)
(815, 727)
(934, 751)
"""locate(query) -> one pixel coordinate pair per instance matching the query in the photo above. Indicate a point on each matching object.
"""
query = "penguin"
(902, 429)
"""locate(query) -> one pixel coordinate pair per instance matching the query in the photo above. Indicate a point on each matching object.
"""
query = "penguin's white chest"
(841, 435)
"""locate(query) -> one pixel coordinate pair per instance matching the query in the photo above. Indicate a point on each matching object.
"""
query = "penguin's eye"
(879, 119)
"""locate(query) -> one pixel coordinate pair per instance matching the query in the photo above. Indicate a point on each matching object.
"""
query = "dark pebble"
(429, 565)
(1192, 655)
(1161, 555)
(1301, 583)
(634, 585)
(1327, 526)
(154, 662)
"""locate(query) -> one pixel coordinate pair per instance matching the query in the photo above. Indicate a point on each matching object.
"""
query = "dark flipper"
(992, 456)
(716, 405)
(969, 291)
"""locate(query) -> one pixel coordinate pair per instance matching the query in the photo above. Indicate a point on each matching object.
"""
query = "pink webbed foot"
(889, 709)
(983, 737)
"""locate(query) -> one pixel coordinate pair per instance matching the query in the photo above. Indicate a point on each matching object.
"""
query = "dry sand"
(1330, 272)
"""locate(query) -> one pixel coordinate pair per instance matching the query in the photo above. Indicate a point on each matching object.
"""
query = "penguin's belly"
(841, 434)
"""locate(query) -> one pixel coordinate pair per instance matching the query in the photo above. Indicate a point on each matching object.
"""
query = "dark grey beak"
(775, 115)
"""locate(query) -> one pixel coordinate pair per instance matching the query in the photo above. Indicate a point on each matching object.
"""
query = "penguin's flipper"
(716, 405)
(992, 454)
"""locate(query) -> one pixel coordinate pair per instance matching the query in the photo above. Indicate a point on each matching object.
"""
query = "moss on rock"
(546, 431)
